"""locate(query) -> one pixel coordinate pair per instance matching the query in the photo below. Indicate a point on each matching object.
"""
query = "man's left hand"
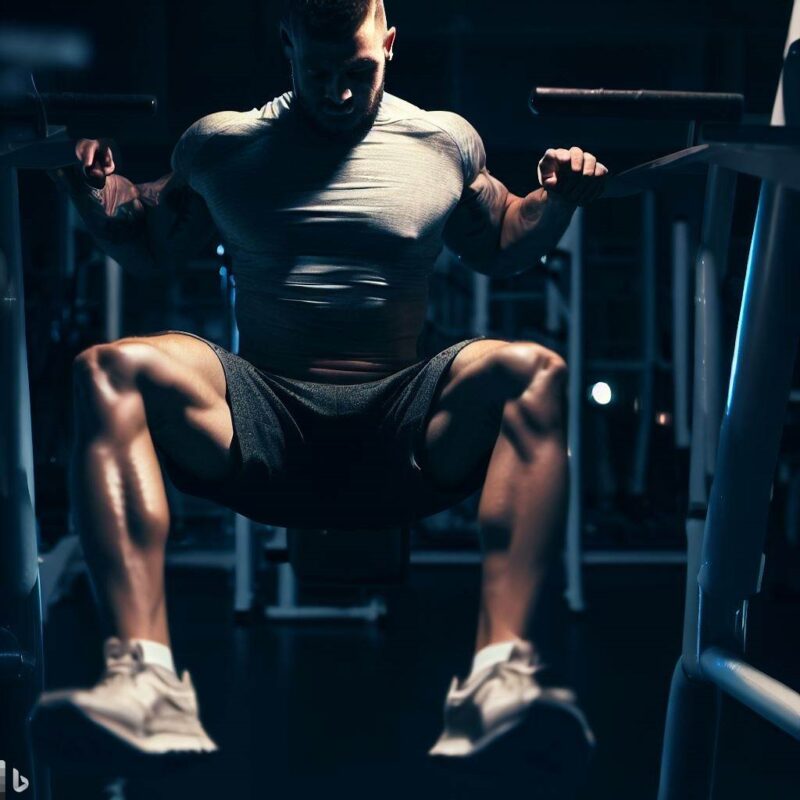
(573, 175)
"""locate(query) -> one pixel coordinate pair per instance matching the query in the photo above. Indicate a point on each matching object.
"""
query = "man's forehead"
(360, 44)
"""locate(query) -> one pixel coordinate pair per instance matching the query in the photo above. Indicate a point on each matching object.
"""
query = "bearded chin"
(343, 135)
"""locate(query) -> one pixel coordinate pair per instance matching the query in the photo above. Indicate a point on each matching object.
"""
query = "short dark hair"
(329, 17)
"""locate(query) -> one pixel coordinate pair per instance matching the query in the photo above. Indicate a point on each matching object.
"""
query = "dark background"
(204, 57)
(306, 712)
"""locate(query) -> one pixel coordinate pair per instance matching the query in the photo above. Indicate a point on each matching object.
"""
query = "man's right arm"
(146, 227)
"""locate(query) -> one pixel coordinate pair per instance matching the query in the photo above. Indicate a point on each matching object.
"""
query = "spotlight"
(601, 393)
(220, 249)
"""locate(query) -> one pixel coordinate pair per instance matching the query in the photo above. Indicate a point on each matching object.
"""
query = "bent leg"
(129, 396)
(506, 399)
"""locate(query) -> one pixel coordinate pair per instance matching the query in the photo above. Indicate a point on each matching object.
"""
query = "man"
(333, 202)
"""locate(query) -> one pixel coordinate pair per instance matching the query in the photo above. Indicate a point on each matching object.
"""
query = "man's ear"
(388, 43)
(286, 41)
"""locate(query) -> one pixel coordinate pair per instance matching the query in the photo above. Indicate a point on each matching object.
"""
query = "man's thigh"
(183, 387)
(465, 415)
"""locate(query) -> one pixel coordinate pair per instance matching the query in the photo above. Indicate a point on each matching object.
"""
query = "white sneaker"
(500, 720)
(135, 710)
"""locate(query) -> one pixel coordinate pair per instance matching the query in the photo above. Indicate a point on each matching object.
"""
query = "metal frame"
(572, 242)
(572, 311)
(725, 541)
(681, 269)
(21, 639)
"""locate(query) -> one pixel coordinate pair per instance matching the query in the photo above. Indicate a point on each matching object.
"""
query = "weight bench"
(357, 560)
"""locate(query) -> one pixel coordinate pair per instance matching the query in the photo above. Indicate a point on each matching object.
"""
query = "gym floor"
(307, 710)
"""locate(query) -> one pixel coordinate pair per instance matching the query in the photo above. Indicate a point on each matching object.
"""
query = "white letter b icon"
(20, 781)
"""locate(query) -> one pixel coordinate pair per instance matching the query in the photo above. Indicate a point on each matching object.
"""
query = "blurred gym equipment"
(32, 136)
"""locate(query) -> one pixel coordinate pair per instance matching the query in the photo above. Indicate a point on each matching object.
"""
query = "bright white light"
(601, 393)
(220, 249)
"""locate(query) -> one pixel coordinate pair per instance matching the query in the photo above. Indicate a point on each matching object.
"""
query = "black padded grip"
(72, 105)
(637, 104)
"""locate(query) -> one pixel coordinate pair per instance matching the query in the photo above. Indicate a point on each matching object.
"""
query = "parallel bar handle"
(637, 104)
(768, 697)
(72, 104)
(112, 104)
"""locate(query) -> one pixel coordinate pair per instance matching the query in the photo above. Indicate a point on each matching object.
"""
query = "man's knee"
(534, 378)
(521, 365)
(107, 376)
(122, 363)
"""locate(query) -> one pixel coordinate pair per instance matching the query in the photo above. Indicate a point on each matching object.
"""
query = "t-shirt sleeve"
(187, 153)
(185, 150)
(467, 140)
(473, 228)
(210, 138)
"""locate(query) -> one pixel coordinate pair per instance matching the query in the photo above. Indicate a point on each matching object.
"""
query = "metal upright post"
(18, 558)
(690, 730)
(21, 662)
(244, 566)
(572, 242)
(480, 308)
(681, 268)
(766, 345)
(113, 304)
(648, 347)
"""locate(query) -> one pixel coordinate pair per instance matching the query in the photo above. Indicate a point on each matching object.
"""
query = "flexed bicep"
(474, 227)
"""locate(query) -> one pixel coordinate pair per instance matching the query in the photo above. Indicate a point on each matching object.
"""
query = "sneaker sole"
(549, 745)
(68, 738)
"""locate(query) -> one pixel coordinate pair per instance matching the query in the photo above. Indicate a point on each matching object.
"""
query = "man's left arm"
(498, 233)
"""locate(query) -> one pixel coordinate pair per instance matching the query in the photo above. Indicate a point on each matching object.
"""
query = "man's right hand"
(96, 159)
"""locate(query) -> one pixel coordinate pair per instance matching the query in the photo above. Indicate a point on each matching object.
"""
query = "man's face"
(338, 83)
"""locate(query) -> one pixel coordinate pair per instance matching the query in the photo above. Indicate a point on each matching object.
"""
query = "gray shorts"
(316, 455)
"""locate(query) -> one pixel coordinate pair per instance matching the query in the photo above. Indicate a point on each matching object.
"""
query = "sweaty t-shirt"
(332, 245)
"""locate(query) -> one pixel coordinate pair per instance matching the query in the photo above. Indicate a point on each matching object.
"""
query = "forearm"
(115, 216)
(532, 227)
(500, 234)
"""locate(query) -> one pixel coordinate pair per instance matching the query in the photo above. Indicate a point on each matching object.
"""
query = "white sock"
(491, 654)
(156, 653)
